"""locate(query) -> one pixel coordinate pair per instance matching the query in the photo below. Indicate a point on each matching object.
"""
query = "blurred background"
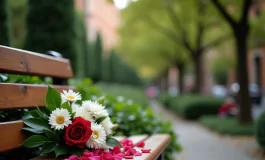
(195, 67)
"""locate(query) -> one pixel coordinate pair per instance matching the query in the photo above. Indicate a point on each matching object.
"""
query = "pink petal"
(145, 150)
(87, 154)
(138, 153)
(116, 150)
(140, 144)
(128, 157)
(94, 158)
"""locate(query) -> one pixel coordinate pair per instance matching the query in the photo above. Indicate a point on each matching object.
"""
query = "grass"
(228, 126)
(137, 94)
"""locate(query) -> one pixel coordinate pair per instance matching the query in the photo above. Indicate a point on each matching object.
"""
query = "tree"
(185, 29)
(98, 58)
(4, 25)
(51, 26)
(240, 29)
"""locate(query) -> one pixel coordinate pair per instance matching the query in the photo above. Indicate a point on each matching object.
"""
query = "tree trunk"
(180, 78)
(198, 72)
(245, 115)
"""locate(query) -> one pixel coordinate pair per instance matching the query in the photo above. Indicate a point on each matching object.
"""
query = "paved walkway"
(197, 142)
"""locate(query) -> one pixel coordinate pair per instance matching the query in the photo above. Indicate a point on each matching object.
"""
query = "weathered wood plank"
(11, 135)
(24, 62)
(24, 95)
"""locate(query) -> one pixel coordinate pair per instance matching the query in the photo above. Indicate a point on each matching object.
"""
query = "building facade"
(101, 16)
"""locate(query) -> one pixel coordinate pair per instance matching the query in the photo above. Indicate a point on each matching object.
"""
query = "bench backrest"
(15, 96)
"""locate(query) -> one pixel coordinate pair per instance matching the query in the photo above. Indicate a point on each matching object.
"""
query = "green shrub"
(4, 25)
(194, 106)
(260, 130)
(136, 94)
(51, 26)
(165, 98)
(227, 125)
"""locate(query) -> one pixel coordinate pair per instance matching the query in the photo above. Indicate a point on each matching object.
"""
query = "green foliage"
(35, 141)
(12, 78)
(165, 98)
(260, 130)
(116, 70)
(124, 92)
(18, 11)
(257, 33)
(194, 106)
(221, 66)
(228, 126)
(112, 142)
(4, 25)
(97, 58)
(81, 46)
(53, 30)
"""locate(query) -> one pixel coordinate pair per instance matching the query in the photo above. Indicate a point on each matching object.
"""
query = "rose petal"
(140, 144)
(94, 158)
(138, 153)
(145, 150)
(128, 157)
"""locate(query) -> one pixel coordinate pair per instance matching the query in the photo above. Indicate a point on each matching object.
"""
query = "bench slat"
(24, 95)
(10, 135)
(25, 62)
(137, 138)
(157, 143)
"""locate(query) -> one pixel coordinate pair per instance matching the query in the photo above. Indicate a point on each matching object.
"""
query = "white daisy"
(108, 125)
(70, 96)
(83, 113)
(75, 107)
(98, 137)
(59, 118)
(96, 109)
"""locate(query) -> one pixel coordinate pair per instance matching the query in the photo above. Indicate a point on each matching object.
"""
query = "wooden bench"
(16, 96)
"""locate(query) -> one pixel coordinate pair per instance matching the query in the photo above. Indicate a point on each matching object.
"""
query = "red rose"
(78, 132)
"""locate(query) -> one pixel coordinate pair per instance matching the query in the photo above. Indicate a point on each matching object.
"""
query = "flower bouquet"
(65, 128)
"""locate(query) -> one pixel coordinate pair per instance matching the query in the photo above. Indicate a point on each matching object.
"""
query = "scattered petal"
(128, 157)
(140, 144)
(145, 150)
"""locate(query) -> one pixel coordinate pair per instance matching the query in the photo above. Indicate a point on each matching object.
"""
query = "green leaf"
(100, 100)
(48, 147)
(53, 97)
(100, 119)
(40, 112)
(37, 123)
(113, 142)
(53, 136)
(65, 105)
(76, 151)
(60, 150)
(33, 113)
(50, 107)
(32, 130)
(35, 141)
(113, 119)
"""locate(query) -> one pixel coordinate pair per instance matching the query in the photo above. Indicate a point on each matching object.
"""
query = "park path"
(197, 142)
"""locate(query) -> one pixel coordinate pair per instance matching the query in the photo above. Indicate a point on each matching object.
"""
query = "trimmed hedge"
(193, 106)
(260, 130)
(228, 126)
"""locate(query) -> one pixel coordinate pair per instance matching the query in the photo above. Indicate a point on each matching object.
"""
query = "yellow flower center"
(96, 134)
(70, 97)
(60, 119)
